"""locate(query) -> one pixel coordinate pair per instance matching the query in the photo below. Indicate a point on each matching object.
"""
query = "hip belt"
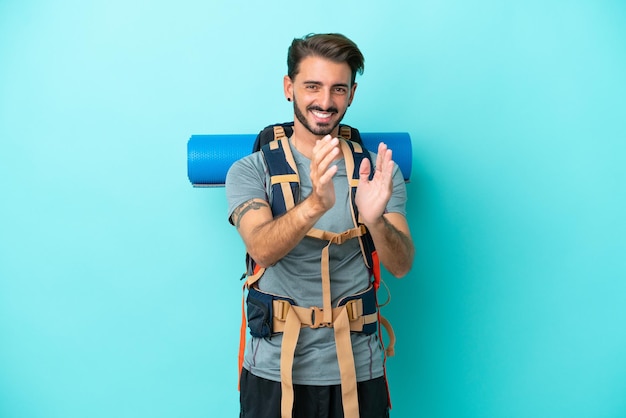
(270, 314)
(267, 313)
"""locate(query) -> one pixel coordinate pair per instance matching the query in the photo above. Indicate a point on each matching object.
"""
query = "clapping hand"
(372, 195)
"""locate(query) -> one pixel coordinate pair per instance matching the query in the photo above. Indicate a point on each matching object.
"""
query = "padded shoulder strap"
(268, 134)
(279, 132)
(345, 132)
(354, 154)
(284, 177)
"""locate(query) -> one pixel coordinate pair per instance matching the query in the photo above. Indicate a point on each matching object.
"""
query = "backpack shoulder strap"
(350, 133)
(268, 134)
(345, 132)
(279, 132)
(354, 153)
(284, 178)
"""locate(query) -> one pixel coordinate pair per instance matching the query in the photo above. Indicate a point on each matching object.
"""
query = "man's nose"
(326, 100)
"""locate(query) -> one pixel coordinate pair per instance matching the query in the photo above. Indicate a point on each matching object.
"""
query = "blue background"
(119, 290)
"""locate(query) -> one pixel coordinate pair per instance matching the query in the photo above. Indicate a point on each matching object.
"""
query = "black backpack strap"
(268, 133)
(350, 133)
(359, 152)
(345, 132)
(284, 178)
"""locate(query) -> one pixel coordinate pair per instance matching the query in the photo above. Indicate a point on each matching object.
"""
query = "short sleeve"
(246, 179)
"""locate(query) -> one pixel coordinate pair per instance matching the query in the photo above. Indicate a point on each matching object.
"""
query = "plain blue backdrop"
(119, 290)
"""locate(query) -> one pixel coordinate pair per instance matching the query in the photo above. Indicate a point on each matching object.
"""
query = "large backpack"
(268, 314)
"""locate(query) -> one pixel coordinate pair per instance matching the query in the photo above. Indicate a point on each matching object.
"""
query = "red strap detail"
(243, 329)
(376, 269)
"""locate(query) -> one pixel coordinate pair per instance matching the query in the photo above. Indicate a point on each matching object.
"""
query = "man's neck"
(304, 140)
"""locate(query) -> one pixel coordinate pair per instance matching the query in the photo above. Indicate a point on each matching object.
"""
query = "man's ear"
(288, 87)
(352, 91)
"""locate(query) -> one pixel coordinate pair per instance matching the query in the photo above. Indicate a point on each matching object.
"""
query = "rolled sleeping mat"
(210, 156)
(398, 142)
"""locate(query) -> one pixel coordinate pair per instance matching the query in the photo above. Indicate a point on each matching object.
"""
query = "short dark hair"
(332, 46)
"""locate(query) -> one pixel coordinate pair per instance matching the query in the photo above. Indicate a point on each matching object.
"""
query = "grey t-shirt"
(298, 275)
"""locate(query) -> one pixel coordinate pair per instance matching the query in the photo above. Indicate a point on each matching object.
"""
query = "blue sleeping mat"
(210, 156)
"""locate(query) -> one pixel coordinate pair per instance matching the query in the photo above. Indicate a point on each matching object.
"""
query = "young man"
(321, 84)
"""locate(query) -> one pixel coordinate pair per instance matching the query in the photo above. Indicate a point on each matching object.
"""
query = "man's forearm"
(272, 240)
(395, 248)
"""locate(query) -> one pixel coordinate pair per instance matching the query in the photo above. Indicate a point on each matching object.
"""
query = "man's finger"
(364, 169)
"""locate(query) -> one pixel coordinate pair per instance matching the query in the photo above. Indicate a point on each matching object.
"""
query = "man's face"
(321, 92)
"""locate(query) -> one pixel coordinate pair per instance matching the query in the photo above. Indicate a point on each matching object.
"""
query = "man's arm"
(390, 231)
(393, 243)
(268, 239)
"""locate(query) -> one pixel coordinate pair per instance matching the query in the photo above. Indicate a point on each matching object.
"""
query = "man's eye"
(341, 90)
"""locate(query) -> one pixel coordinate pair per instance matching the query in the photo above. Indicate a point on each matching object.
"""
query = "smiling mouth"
(322, 116)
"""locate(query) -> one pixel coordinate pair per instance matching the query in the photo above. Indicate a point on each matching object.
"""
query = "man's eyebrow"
(319, 83)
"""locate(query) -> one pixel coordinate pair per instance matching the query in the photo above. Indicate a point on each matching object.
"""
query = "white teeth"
(322, 114)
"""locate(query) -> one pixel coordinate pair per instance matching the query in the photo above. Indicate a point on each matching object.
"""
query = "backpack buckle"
(317, 314)
(281, 308)
(352, 308)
